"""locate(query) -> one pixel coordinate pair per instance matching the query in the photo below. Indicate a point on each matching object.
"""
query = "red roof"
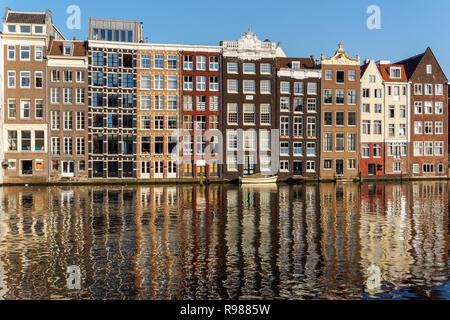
(384, 70)
(79, 48)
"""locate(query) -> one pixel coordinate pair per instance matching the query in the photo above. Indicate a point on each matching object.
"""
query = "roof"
(26, 17)
(364, 68)
(411, 64)
(79, 49)
(384, 70)
(305, 63)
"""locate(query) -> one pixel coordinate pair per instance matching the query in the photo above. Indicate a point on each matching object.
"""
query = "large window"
(249, 114)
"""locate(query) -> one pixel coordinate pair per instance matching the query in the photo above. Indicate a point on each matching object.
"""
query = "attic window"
(295, 65)
(25, 29)
(11, 28)
(429, 69)
(395, 73)
(67, 50)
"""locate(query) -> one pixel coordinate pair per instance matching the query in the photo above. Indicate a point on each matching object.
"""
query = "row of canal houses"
(118, 107)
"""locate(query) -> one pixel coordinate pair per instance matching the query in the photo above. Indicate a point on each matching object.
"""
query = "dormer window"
(11, 28)
(395, 73)
(25, 29)
(68, 49)
(295, 65)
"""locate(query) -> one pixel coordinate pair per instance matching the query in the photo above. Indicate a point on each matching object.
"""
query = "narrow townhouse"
(299, 106)
(372, 121)
(340, 116)
(25, 39)
(249, 111)
(429, 115)
(112, 124)
(4, 164)
(158, 93)
(397, 130)
(201, 112)
(67, 110)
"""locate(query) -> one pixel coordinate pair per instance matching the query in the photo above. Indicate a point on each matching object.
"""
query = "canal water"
(327, 241)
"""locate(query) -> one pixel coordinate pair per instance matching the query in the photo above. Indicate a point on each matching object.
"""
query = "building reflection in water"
(225, 242)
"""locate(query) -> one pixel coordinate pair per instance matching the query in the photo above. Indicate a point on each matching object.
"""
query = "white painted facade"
(372, 105)
(2, 106)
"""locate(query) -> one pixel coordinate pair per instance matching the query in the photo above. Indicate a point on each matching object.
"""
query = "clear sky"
(304, 27)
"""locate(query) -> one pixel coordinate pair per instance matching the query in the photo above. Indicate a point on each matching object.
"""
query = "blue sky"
(304, 27)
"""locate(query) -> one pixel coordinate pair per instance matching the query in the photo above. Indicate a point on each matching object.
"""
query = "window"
(145, 102)
(285, 104)
(232, 113)
(284, 126)
(25, 53)
(39, 109)
(232, 86)
(403, 112)
(188, 83)
(402, 130)
(328, 75)
(265, 86)
(377, 93)
(312, 105)
(428, 168)
(428, 127)
(159, 62)
(328, 164)
(265, 163)
(418, 127)
(351, 75)
(172, 103)
(328, 96)
(285, 87)
(439, 148)
(55, 121)
(25, 79)
(11, 79)
(428, 89)
(232, 142)
(145, 61)
(80, 96)
(201, 63)
(298, 149)
(340, 142)
(159, 102)
(232, 164)
(68, 97)
(439, 127)
(428, 107)
(67, 146)
(366, 93)
(372, 79)
(366, 127)
(249, 113)
(299, 88)
(365, 150)
(392, 112)
(418, 107)
(377, 150)
(232, 67)
(351, 142)
(188, 103)
(311, 149)
(68, 120)
(97, 79)
(12, 141)
(249, 86)
(158, 83)
(249, 68)
(113, 60)
(187, 123)
(395, 73)
(265, 114)
(56, 146)
(416, 168)
(328, 142)
(146, 122)
(80, 146)
(340, 96)
(97, 99)
(351, 97)
(213, 122)
(38, 53)
(201, 83)
(340, 119)
(188, 62)
(391, 130)
(201, 103)
(159, 123)
(26, 140)
(340, 76)
(11, 53)
(266, 68)
(25, 109)
(296, 65)
(128, 80)
(67, 76)
(429, 69)
(250, 140)
(284, 166)
(80, 76)
(418, 89)
(298, 126)
(298, 105)
(113, 80)
(439, 108)
(311, 127)
(439, 89)
(214, 83)
(377, 127)
(328, 118)
(428, 148)
(397, 167)
(214, 63)
(172, 62)
(80, 125)
(12, 108)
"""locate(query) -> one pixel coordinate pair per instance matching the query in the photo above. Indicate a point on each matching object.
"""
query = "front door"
(340, 167)
(372, 170)
(172, 169)
(68, 169)
(249, 166)
(146, 169)
(298, 168)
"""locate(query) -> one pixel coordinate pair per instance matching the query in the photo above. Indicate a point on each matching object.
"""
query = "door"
(249, 166)
(172, 169)
(159, 169)
(68, 169)
(372, 170)
(298, 168)
(340, 167)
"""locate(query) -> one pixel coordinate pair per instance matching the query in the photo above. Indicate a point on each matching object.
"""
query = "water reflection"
(226, 242)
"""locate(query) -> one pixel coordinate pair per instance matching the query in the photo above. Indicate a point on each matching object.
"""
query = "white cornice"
(153, 46)
(300, 74)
